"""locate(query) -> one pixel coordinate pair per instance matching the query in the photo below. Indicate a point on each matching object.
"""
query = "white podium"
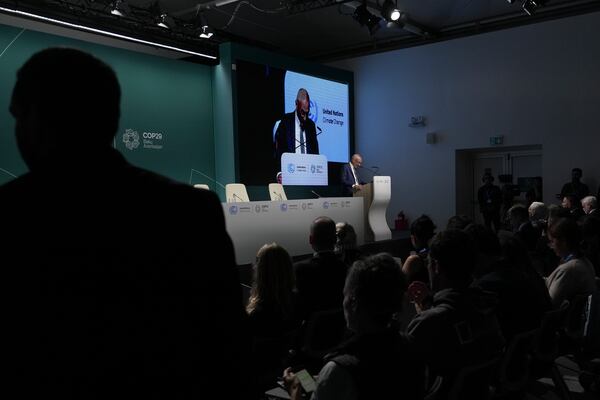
(382, 193)
(376, 197)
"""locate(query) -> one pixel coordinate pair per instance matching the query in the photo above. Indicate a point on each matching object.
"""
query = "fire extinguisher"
(401, 222)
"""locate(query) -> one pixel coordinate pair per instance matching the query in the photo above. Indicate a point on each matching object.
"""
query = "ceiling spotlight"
(117, 9)
(206, 33)
(389, 11)
(529, 6)
(365, 18)
(162, 21)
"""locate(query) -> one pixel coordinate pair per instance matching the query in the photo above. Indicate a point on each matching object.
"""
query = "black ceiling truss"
(302, 6)
(184, 25)
(461, 30)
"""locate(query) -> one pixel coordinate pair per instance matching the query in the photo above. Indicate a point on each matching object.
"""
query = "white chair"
(236, 193)
(276, 191)
(201, 186)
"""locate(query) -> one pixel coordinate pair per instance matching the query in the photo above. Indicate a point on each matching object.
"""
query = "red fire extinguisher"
(401, 222)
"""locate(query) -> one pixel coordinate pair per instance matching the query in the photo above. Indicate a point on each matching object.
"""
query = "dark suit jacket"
(285, 136)
(348, 180)
(111, 284)
(320, 283)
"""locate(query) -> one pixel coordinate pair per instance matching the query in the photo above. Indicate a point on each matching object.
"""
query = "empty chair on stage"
(276, 192)
(236, 193)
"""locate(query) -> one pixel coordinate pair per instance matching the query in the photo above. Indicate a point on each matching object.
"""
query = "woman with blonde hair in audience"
(270, 309)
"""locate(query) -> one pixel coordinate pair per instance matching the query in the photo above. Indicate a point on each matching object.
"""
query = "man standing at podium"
(351, 180)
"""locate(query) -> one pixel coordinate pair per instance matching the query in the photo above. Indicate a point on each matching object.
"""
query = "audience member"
(415, 267)
(589, 204)
(591, 241)
(575, 274)
(575, 187)
(346, 245)
(543, 258)
(376, 362)
(522, 294)
(320, 280)
(461, 327)
(572, 205)
(523, 229)
(486, 248)
(271, 314)
(489, 197)
(458, 222)
(538, 214)
(111, 289)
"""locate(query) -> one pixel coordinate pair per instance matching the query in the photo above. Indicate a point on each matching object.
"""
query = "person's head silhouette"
(66, 105)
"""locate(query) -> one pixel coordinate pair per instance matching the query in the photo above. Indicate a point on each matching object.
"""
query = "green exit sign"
(496, 140)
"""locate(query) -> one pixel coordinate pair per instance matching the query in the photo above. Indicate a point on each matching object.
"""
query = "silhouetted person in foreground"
(107, 266)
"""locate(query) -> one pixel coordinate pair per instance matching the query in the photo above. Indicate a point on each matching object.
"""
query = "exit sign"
(496, 140)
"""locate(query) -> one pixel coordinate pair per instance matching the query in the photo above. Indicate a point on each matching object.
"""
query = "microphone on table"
(373, 169)
(278, 195)
(235, 196)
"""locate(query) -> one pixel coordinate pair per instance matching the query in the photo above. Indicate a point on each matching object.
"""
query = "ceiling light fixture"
(162, 21)
(101, 32)
(390, 11)
(530, 6)
(117, 9)
(365, 18)
(205, 31)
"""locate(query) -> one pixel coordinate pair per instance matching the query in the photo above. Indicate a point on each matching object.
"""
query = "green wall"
(173, 98)
(192, 106)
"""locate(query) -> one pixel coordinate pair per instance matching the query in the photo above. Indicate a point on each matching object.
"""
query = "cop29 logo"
(131, 139)
(291, 168)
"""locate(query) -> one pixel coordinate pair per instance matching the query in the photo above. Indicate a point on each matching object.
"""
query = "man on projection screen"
(296, 132)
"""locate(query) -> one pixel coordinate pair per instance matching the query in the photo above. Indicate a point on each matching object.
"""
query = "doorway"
(516, 170)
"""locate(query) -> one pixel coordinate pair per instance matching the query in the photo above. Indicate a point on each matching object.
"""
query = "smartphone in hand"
(306, 381)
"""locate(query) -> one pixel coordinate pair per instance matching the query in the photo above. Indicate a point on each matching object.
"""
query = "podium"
(376, 197)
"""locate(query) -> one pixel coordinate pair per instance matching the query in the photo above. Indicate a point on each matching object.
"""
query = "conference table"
(255, 223)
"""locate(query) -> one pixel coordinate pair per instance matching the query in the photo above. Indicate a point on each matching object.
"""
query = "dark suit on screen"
(285, 137)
